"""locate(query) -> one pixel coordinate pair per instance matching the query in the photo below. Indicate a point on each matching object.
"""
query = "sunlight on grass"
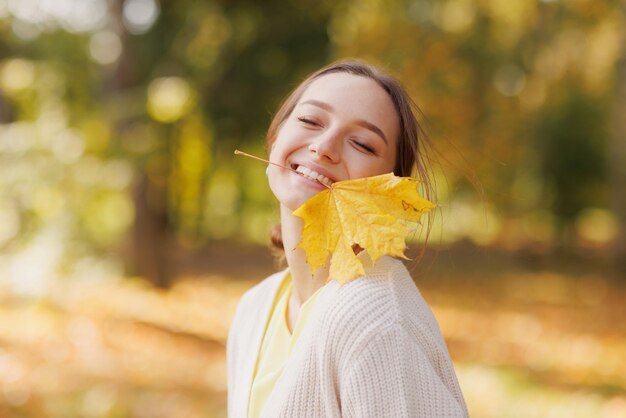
(122, 348)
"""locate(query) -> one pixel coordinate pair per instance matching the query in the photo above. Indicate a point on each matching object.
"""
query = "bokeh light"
(140, 15)
(169, 98)
(105, 47)
(129, 232)
(17, 74)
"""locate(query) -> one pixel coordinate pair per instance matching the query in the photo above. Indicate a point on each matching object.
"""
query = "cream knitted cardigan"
(371, 348)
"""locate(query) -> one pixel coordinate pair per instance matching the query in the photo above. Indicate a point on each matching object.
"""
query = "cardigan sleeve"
(231, 360)
(392, 377)
(234, 348)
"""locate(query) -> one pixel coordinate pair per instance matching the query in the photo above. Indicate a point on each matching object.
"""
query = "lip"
(308, 183)
(315, 167)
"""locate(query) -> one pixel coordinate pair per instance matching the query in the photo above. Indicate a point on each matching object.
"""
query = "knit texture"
(371, 348)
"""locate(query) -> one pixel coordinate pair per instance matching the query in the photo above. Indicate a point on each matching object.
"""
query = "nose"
(327, 147)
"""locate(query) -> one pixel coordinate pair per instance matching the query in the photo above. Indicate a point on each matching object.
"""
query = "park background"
(128, 230)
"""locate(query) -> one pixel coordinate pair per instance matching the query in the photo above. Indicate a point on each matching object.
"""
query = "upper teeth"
(314, 175)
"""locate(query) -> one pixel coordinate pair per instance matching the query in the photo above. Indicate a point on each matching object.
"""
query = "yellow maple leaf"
(371, 212)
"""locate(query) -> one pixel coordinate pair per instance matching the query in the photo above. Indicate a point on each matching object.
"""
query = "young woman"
(302, 346)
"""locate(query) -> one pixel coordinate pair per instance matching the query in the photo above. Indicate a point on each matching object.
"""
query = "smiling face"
(343, 127)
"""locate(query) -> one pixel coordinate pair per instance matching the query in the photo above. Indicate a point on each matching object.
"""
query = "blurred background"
(128, 230)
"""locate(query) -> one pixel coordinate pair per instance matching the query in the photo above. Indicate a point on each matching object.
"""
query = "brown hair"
(411, 160)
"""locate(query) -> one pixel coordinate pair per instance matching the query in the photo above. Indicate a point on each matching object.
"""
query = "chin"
(296, 192)
(294, 202)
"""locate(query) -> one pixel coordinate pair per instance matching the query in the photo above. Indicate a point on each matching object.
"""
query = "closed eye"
(306, 120)
(363, 147)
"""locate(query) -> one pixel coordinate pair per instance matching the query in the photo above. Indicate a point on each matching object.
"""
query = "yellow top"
(277, 344)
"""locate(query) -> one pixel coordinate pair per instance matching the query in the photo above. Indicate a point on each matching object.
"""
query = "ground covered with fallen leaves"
(529, 337)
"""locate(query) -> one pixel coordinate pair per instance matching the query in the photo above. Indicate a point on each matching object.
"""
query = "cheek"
(282, 148)
(279, 147)
(392, 162)
(390, 159)
(367, 166)
(276, 152)
(275, 181)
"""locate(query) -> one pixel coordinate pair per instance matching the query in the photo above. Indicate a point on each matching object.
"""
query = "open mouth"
(312, 175)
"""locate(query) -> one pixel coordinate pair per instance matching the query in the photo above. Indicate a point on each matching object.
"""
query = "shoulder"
(358, 310)
(385, 298)
(262, 289)
(382, 293)
(254, 299)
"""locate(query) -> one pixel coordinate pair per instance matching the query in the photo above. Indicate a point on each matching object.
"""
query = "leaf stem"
(245, 154)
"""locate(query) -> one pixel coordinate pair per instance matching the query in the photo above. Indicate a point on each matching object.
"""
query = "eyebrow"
(361, 122)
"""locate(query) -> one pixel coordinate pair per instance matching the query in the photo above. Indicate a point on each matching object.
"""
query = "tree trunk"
(617, 153)
(150, 235)
(149, 246)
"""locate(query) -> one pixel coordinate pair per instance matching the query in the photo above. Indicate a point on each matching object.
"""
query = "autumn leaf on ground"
(371, 212)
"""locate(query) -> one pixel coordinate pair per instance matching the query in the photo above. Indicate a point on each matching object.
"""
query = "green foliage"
(573, 140)
(518, 91)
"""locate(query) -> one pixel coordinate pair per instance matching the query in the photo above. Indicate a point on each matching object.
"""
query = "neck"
(303, 285)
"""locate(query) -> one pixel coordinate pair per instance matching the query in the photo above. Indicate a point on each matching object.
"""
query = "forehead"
(356, 97)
